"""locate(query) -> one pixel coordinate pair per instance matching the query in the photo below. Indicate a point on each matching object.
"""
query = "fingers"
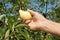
(27, 21)
(32, 25)
(32, 12)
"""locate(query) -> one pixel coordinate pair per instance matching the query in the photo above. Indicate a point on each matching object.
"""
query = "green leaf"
(7, 35)
(45, 0)
(13, 28)
(21, 26)
(25, 34)
(1, 16)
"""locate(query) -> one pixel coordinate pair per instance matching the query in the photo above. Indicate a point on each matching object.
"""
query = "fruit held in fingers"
(25, 14)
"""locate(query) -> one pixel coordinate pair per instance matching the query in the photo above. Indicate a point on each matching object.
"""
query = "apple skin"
(25, 14)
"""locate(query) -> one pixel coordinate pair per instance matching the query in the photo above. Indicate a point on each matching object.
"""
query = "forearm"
(52, 27)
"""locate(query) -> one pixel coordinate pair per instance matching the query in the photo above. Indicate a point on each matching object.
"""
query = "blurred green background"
(13, 29)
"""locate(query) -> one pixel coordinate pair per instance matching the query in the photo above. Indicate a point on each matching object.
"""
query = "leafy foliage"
(14, 29)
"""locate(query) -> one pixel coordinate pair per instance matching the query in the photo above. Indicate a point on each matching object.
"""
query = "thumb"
(31, 12)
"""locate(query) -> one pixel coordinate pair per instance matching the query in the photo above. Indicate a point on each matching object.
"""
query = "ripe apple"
(25, 14)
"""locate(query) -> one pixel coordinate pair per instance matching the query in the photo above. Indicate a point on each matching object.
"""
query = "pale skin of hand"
(38, 22)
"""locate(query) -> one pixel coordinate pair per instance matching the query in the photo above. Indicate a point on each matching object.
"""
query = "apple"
(25, 14)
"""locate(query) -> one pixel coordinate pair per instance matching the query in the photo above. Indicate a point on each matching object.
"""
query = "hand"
(37, 22)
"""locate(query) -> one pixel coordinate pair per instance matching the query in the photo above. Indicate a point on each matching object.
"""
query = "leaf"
(1, 16)
(48, 37)
(45, 0)
(0, 0)
(6, 21)
(7, 0)
(7, 35)
(58, 20)
(25, 34)
(21, 26)
(51, 0)
(13, 28)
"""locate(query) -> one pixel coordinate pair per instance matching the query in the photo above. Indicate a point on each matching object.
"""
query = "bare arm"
(52, 27)
(38, 22)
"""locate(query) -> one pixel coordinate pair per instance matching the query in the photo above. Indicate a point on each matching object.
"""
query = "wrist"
(43, 25)
(51, 27)
(46, 26)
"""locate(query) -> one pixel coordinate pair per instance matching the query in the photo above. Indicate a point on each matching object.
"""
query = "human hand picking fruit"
(39, 22)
